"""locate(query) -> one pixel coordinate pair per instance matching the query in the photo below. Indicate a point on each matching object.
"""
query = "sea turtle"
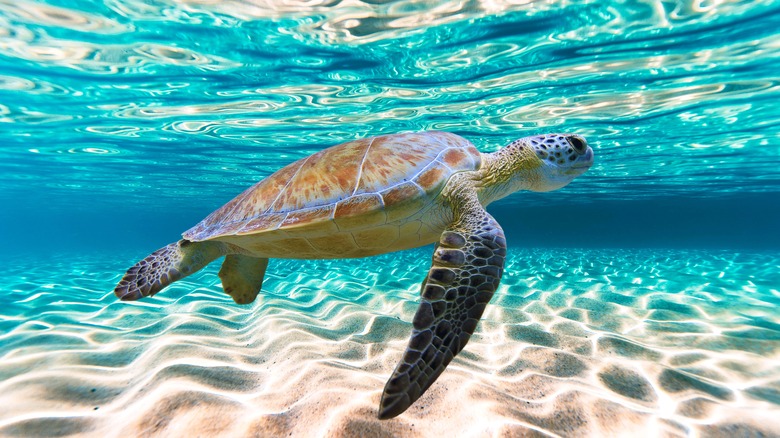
(374, 196)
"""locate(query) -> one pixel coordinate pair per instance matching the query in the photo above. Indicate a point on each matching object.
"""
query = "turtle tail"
(166, 265)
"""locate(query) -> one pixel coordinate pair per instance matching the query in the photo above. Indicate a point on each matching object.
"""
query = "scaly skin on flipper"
(242, 277)
(466, 270)
(166, 265)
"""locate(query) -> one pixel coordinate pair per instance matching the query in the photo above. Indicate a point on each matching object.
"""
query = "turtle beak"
(583, 162)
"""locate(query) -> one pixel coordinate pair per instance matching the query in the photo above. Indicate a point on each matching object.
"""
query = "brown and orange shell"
(355, 184)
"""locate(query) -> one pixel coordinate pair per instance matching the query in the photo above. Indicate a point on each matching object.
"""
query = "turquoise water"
(654, 276)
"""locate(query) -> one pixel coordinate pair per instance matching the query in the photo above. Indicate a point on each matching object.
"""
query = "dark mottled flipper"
(164, 266)
(242, 277)
(467, 267)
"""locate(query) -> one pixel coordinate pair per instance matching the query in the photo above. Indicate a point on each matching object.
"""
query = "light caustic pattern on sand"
(574, 343)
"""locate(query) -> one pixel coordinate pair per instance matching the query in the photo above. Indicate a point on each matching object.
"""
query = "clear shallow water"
(123, 123)
(120, 109)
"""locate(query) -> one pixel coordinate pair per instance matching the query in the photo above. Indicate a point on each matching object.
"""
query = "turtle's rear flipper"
(164, 266)
(242, 277)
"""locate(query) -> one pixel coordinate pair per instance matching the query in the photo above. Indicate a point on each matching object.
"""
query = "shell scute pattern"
(459, 158)
(265, 222)
(244, 214)
(360, 211)
(323, 178)
(363, 183)
(390, 158)
(305, 216)
(433, 177)
(403, 200)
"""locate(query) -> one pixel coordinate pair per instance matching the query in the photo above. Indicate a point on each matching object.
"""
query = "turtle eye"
(577, 143)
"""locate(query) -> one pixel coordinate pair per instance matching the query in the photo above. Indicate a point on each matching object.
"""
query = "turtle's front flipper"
(166, 265)
(467, 267)
(242, 277)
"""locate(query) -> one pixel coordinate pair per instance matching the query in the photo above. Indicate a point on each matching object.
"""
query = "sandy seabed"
(575, 343)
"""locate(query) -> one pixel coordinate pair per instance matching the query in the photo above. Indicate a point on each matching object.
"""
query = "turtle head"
(540, 163)
(562, 158)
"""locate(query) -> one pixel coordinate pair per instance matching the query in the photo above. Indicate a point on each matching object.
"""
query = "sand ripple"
(575, 343)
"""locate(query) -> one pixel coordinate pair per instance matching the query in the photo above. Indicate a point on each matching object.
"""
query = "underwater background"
(642, 299)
